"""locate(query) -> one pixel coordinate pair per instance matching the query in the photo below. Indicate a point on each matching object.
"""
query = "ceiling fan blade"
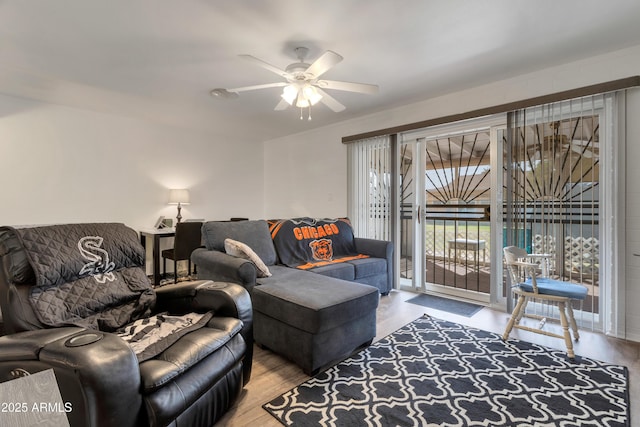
(266, 65)
(587, 154)
(282, 105)
(330, 101)
(324, 63)
(348, 86)
(582, 143)
(255, 87)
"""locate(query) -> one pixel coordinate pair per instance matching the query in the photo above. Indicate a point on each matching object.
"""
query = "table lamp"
(179, 197)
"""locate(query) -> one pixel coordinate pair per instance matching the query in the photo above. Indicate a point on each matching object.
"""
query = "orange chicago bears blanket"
(306, 243)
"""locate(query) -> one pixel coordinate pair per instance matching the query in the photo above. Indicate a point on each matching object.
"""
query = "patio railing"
(458, 247)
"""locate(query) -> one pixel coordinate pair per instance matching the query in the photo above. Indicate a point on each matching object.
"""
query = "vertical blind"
(370, 181)
(563, 163)
(553, 190)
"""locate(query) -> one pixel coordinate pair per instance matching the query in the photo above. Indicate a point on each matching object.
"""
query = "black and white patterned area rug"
(435, 372)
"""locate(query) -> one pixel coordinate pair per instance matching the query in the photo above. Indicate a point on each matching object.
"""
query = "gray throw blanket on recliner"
(87, 275)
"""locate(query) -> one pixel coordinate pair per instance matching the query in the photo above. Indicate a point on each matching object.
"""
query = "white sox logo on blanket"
(99, 266)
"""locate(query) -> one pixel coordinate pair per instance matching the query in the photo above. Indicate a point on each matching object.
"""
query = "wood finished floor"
(273, 375)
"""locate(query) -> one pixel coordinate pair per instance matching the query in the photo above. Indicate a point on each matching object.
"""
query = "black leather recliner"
(192, 382)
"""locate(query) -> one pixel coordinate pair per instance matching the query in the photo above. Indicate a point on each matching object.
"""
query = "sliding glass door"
(451, 196)
(446, 205)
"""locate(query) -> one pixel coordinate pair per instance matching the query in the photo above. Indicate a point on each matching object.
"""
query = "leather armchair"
(192, 382)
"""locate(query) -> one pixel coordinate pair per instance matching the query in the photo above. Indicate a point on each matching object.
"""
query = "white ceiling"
(159, 59)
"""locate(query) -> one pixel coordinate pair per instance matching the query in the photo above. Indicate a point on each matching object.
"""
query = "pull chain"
(308, 113)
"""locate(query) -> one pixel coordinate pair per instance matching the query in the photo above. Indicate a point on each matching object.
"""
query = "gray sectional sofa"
(319, 302)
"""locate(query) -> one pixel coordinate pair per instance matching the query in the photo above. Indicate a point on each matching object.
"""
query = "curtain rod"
(503, 108)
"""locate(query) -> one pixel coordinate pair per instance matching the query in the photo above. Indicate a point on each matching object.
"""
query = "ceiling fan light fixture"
(302, 102)
(311, 94)
(307, 96)
(289, 94)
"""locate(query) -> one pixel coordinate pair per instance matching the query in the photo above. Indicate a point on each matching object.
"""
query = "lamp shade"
(178, 196)
(289, 94)
(311, 94)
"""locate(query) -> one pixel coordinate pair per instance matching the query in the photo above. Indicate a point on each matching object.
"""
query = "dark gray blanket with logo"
(307, 243)
(93, 276)
(87, 275)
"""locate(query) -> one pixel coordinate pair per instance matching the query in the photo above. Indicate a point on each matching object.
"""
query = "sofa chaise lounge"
(315, 299)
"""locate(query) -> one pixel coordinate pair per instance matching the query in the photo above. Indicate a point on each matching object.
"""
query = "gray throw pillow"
(240, 250)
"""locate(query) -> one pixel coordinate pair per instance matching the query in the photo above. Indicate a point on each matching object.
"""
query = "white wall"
(306, 174)
(61, 164)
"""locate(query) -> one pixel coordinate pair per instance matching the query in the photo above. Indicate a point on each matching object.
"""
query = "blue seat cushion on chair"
(557, 288)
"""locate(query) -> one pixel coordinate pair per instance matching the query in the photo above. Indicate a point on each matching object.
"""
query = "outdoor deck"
(468, 268)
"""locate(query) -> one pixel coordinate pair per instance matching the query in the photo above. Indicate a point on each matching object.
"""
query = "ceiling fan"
(303, 87)
(585, 148)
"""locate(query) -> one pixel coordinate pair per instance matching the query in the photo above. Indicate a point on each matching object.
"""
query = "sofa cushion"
(368, 267)
(312, 302)
(307, 242)
(344, 271)
(255, 234)
(240, 250)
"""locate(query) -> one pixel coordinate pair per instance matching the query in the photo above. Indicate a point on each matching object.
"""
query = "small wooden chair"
(528, 287)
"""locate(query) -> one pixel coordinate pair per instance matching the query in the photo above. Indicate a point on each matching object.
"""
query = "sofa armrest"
(87, 371)
(374, 248)
(223, 298)
(221, 267)
(27, 345)
(378, 249)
